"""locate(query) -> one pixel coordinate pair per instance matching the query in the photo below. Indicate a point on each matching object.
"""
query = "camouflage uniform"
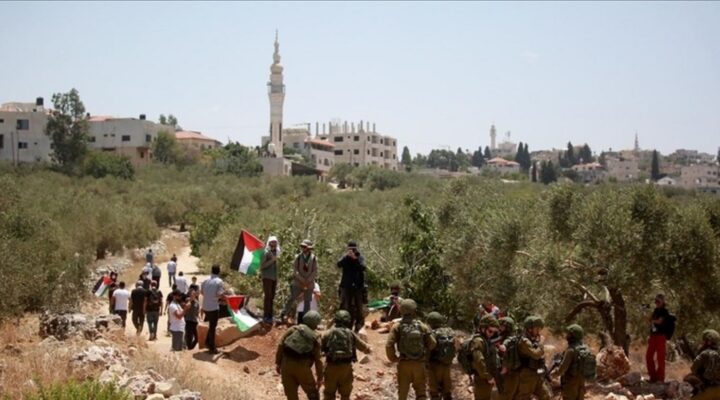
(484, 360)
(439, 379)
(532, 356)
(297, 371)
(571, 380)
(339, 373)
(510, 377)
(706, 367)
(409, 371)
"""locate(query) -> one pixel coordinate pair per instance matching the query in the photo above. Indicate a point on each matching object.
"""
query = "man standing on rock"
(212, 291)
(153, 309)
(120, 300)
(660, 331)
(305, 270)
(352, 284)
(269, 272)
(138, 297)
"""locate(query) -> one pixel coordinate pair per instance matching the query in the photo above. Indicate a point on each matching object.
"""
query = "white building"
(131, 137)
(320, 152)
(503, 166)
(666, 181)
(22, 132)
(590, 172)
(361, 145)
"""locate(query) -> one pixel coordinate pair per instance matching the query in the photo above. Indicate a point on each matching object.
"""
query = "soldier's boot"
(481, 389)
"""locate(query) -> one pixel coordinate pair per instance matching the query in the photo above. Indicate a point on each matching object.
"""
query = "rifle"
(555, 364)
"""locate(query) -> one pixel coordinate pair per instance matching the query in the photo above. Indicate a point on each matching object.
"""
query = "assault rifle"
(555, 364)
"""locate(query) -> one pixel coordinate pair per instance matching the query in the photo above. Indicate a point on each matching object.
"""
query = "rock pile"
(63, 326)
(612, 363)
(148, 385)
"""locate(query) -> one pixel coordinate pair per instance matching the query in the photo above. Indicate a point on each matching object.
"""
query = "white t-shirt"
(176, 324)
(313, 301)
(122, 297)
(182, 284)
(171, 267)
(147, 271)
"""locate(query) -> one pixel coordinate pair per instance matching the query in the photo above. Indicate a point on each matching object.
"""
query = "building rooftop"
(189, 135)
(319, 142)
(501, 161)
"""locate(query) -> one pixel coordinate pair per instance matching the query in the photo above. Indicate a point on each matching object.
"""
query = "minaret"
(493, 135)
(637, 144)
(276, 93)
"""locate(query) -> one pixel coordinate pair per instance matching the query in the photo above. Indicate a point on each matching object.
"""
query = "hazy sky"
(431, 74)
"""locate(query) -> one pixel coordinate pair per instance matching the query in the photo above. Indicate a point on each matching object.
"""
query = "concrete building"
(131, 137)
(360, 145)
(502, 166)
(590, 172)
(22, 132)
(666, 181)
(704, 177)
(320, 152)
(622, 169)
(196, 140)
(506, 148)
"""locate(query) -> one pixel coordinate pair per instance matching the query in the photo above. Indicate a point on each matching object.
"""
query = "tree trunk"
(619, 330)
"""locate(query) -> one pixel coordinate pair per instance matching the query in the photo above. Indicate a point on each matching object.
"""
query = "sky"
(434, 75)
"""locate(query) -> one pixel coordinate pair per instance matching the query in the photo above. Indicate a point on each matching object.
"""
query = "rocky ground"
(91, 344)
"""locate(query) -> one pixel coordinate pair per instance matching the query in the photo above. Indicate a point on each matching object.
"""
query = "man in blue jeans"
(153, 309)
(212, 291)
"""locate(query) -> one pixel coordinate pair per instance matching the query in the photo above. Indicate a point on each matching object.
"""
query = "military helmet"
(342, 318)
(529, 322)
(576, 331)
(311, 319)
(488, 321)
(408, 306)
(507, 322)
(435, 319)
(711, 336)
(539, 322)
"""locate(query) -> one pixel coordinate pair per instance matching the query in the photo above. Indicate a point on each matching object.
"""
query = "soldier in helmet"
(298, 350)
(532, 359)
(409, 344)
(439, 380)
(339, 345)
(510, 363)
(484, 357)
(705, 370)
(571, 378)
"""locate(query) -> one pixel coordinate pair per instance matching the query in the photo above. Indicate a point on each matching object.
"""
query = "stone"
(64, 325)
(107, 377)
(154, 374)
(49, 341)
(612, 363)
(167, 388)
(225, 334)
(108, 322)
(140, 385)
(630, 379)
(246, 369)
(613, 396)
(365, 359)
(187, 395)
(12, 350)
(155, 396)
(95, 356)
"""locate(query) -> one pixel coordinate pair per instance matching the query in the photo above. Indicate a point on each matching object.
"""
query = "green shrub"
(88, 390)
(100, 164)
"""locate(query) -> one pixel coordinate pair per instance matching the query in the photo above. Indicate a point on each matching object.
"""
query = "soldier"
(339, 345)
(484, 357)
(705, 370)
(510, 362)
(413, 341)
(298, 350)
(441, 358)
(532, 359)
(572, 379)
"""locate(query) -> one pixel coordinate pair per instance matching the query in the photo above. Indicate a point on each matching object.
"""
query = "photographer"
(176, 316)
(661, 329)
(352, 284)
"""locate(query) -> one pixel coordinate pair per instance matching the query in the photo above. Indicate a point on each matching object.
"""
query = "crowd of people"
(498, 355)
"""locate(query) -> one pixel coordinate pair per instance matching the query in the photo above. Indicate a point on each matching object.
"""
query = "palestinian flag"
(102, 286)
(239, 315)
(248, 254)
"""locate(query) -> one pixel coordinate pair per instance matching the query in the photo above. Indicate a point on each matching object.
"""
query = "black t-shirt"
(154, 299)
(195, 287)
(663, 327)
(353, 272)
(138, 298)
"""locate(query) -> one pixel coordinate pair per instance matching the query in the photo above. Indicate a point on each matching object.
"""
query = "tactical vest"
(711, 369)
(411, 340)
(445, 351)
(340, 346)
(300, 342)
(528, 362)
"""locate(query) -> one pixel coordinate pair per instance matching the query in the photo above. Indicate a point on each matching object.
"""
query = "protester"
(176, 318)
(156, 274)
(352, 284)
(660, 331)
(147, 272)
(111, 289)
(149, 257)
(194, 285)
(138, 297)
(212, 291)
(145, 282)
(168, 300)
(487, 307)
(301, 310)
(191, 320)
(171, 269)
(120, 300)
(269, 272)
(305, 270)
(153, 309)
(173, 258)
(182, 283)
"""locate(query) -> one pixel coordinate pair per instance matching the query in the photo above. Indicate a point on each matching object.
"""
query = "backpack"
(445, 351)
(512, 356)
(585, 363)
(339, 345)
(300, 342)
(154, 299)
(670, 326)
(711, 370)
(465, 356)
(411, 343)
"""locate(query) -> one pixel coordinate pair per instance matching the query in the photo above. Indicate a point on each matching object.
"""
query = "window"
(338, 139)
(2, 121)
(368, 152)
(338, 152)
(125, 138)
(381, 141)
(381, 154)
(22, 124)
(2, 141)
(22, 145)
(91, 139)
(148, 138)
(356, 151)
(356, 138)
